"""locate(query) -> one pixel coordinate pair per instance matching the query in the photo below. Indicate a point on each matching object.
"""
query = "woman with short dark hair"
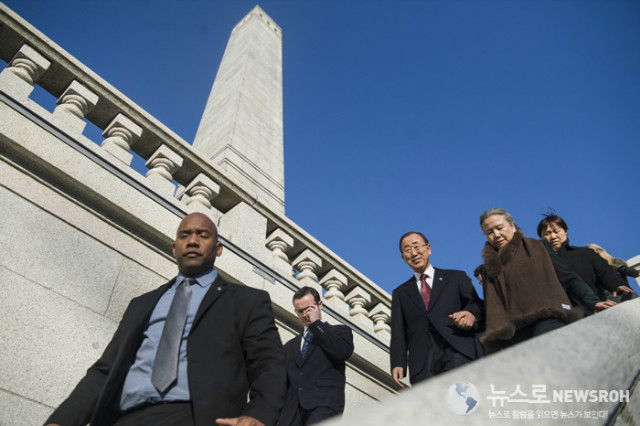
(593, 269)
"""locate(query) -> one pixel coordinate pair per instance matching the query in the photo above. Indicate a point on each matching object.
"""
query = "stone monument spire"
(241, 128)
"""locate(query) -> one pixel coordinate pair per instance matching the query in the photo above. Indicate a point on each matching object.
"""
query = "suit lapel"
(136, 325)
(149, 304)
(439, 282)
(412, 292)
(217, 288)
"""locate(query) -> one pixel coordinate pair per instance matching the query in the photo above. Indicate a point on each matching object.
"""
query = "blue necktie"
(308, 337)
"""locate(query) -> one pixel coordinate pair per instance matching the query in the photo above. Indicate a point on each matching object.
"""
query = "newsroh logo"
(462, 398)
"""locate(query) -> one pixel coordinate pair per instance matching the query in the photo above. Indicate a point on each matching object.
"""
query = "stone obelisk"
(241, 128)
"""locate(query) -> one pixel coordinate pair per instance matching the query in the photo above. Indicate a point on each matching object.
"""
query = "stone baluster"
(24, 70)
(120, 134)
(201, 191)
(279, 242)
(162, 164)
(334, 281)
(73, 106)
(358, 298)
(381, 316)
(307, 263)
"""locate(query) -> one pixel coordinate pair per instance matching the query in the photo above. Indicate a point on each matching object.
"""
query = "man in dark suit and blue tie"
(315, 364)
(434, 316)
(187, 353)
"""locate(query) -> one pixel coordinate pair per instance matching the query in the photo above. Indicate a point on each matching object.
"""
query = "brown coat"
(521, 287)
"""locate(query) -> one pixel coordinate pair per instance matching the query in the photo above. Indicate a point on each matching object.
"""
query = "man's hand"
(239, 421)
(601, 306)
(622, 289)
(463, 319)
(313, 313)
(398, 373)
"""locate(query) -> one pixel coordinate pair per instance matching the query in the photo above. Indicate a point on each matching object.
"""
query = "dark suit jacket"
(452, 291)
(233, 346)
(319, 378)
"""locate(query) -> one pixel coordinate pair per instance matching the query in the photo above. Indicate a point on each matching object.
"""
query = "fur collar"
(494, 259)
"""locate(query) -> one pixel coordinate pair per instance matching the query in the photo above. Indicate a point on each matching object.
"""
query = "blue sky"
(406, 115)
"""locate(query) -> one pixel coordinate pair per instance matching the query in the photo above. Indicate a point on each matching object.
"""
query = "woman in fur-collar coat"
(523, 297)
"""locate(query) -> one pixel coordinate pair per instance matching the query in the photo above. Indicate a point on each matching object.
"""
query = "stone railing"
(586, 373)
(178, 175)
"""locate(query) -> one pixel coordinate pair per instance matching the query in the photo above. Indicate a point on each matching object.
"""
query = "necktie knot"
(308, 336)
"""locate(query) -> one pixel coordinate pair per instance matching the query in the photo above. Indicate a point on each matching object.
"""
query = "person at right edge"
(621, 268)
(604, 281)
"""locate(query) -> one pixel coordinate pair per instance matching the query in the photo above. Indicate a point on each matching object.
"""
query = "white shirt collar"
(430, 271)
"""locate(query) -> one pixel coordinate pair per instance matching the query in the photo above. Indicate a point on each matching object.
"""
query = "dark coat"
(233, 346)
(579, 292)
(593, 269)
(452, 292)
(521, 287)
(319, 379)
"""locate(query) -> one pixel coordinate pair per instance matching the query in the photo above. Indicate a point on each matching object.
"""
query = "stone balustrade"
(175, 172)
(24, 69)
(73, 105)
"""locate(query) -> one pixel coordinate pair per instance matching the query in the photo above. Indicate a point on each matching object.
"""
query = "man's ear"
(320, 305)
(218, 249)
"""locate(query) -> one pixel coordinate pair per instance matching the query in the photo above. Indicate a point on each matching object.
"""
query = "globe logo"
(462, 398)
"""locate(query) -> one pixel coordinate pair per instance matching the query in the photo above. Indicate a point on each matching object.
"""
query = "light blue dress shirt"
(137, 388)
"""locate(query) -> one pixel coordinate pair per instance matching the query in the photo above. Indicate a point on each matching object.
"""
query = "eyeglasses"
(411, 249)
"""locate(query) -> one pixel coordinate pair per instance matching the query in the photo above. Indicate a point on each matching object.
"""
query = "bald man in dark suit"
(227, 347)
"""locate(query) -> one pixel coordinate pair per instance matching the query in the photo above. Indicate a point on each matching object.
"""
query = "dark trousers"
(441, 357)
(308, 417)
(171, 414)
(532, 330)
(455, 360)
